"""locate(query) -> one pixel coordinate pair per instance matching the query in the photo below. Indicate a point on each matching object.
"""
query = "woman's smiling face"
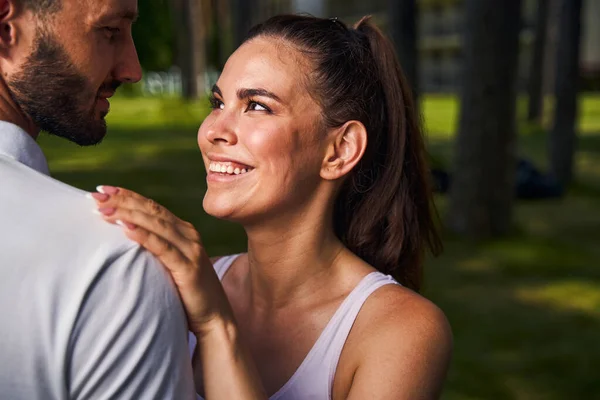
(263, 143)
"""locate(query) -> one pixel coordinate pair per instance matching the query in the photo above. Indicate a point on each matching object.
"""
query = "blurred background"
(509, 96)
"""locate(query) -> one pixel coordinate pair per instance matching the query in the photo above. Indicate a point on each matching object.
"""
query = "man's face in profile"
(80, 55)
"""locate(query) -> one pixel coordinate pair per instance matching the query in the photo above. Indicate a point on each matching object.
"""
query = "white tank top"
(314, 377)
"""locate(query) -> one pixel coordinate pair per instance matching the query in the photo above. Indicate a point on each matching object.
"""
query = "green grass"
(525, 309)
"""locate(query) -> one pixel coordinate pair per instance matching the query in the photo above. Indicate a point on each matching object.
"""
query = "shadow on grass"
(524, 309)
(521, 331)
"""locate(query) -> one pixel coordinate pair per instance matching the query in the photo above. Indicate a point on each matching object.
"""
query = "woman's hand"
(177, 244)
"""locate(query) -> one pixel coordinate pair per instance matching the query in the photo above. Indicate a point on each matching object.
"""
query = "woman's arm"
(228, 370)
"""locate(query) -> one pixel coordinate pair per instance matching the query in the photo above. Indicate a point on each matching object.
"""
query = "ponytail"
(384, 212)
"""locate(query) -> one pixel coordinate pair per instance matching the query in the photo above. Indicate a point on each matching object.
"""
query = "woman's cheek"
(268, 140)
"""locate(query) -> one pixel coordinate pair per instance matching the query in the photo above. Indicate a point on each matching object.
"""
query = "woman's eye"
(216, 103)
(254, 106)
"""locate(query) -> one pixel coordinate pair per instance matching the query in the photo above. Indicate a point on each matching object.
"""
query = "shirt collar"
(20, 146)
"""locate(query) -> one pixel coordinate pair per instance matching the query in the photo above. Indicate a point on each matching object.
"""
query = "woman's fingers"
(169, 255)
(114, 197)
(118, 198)
(128, 207)
(167, 230)
(189, 232)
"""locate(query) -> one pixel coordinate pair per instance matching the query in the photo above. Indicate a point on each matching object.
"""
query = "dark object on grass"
(530, 182)
(441, 180)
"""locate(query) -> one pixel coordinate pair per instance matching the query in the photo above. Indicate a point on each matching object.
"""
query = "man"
(84, 312)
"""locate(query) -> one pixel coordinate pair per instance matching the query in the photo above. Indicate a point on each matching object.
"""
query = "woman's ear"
(346, 147)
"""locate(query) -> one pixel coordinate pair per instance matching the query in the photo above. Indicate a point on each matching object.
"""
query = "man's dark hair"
(42, 6)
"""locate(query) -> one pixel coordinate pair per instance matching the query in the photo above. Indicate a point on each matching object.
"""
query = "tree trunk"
(562, 135)
(200, 16)
(190, 20)
(242, 19)
(185, 46)
(536, 71)
(214, 34)
(481, 194)
(549, 74)
(403, 31)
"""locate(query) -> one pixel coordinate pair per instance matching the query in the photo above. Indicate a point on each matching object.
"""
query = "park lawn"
(525, 309)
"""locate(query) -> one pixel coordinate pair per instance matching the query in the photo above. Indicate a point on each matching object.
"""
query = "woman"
(313, 146)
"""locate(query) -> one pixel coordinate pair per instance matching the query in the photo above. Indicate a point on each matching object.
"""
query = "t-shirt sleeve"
(130, 337)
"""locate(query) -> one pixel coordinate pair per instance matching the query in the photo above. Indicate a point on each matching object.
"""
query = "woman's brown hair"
(384, 212)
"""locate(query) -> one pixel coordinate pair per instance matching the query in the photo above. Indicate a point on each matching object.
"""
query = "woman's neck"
(291, 262)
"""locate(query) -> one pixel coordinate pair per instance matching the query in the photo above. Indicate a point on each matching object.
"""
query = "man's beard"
(56, 96)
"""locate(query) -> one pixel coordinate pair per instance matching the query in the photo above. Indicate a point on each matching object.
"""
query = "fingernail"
(107, 189)
(101, 197)
(107, 211)
(126, 225)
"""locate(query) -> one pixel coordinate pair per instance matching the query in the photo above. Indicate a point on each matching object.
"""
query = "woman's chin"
(219, 209)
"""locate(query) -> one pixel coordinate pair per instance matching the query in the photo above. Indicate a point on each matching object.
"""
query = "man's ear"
(8, 29)
(346, 148)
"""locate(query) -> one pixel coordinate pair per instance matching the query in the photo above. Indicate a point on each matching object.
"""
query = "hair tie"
(336, 21)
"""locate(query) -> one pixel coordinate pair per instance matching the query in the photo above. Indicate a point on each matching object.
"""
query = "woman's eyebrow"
(246, 93)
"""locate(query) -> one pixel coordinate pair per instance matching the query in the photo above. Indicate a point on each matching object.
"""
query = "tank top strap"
(314, 378)
(222, 264)
(340, 325)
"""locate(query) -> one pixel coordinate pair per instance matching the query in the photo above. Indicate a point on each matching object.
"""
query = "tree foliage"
(153, 35)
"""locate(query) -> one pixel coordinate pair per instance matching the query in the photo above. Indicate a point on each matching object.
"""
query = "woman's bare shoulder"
(398, 306)
(400, 337)
(396, 311)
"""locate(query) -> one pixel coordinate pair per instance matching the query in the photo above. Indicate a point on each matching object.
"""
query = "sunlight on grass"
(84, 163)
(589, 113)
(440, 116)
(147, 112)
(568, 295)
(441, 113)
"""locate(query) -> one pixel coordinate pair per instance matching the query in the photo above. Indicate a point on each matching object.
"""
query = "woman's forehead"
(265, 63)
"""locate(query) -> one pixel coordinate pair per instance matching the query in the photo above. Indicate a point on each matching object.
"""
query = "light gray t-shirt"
(84, 312)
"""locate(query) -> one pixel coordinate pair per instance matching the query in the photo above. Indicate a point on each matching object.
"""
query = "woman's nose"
(222, 130)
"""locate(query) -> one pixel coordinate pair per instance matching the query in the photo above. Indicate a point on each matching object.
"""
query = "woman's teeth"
(227, 168)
